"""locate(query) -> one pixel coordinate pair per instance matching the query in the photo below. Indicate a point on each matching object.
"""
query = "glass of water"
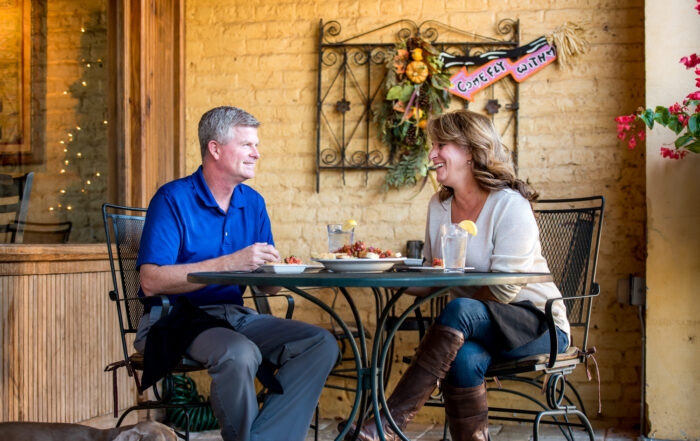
(453, 244)
(337, 237)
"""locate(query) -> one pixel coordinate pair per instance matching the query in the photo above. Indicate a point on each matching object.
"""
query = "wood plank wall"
(58, 330)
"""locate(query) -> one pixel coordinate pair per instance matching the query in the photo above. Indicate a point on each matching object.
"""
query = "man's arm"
(172, 279)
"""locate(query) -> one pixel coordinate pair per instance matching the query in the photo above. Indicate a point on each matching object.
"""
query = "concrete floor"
(426, 432)
(416, 432)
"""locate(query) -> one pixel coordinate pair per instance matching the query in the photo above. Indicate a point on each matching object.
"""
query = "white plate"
(360, 265)
(435, 269)
(287, 268)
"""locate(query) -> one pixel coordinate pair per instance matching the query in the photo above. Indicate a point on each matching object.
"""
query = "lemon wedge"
(468, 226)
(349, 225)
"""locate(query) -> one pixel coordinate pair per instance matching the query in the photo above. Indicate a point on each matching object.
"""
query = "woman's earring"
(469, 162)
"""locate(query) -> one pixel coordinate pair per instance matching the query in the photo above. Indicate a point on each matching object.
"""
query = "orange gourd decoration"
(417, 71)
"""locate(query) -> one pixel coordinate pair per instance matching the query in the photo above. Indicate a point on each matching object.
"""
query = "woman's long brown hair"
(492, 164)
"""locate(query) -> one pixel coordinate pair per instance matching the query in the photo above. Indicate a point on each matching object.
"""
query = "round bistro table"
(369, 378)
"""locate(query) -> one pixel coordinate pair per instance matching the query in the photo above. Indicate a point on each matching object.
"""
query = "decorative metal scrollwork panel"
(351, 74)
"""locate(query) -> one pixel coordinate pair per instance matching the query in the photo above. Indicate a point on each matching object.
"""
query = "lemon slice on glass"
(468, 226)
(349, 225)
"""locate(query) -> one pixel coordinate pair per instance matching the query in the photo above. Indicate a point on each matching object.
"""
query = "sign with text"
(466, 84)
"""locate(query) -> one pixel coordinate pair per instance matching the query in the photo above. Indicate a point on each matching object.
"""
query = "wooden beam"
(147, 139)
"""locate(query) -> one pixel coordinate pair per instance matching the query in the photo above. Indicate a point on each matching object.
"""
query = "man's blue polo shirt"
(184, 224)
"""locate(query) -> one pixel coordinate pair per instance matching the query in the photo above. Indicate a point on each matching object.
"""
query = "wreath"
(416, 90)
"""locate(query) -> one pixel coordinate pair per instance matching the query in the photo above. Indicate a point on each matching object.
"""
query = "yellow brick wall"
(262, 55)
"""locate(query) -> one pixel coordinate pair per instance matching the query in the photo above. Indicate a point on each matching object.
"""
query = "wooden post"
(146, 128)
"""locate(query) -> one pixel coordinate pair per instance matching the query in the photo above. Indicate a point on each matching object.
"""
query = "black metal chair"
(570, 235)
(14, 204)
(123, 227)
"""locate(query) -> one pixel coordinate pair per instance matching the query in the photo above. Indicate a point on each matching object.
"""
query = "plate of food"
(289, 265)
(359, 265)
(358, 258)
(287, 268)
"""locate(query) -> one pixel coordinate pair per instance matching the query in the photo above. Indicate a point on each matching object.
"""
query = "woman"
(479, 324)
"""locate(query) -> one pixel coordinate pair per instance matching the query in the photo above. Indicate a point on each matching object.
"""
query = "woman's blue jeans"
(480, 347)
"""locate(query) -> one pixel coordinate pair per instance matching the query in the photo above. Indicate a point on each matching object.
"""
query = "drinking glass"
(453, 244)
(337, 237)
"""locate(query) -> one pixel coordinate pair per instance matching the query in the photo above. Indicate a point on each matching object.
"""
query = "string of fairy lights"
(67, 142)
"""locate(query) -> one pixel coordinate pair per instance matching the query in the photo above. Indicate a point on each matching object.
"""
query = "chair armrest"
(261, 304)
(290, 304)
(549, 317)
(164, 308)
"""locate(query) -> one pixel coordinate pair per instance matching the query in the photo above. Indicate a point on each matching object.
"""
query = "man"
(211, 221)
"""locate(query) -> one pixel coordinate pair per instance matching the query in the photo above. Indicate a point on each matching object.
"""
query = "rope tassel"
(569, 41)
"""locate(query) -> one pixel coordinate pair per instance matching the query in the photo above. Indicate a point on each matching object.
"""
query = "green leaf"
(394, 93)
(404, 129)
(694, 125)
(406, 92)
(694, 147)
(662, 115)
(675, 125)
(648, 117)
(682, 140)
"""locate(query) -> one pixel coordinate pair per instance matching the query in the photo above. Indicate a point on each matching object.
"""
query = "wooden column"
(147, 101)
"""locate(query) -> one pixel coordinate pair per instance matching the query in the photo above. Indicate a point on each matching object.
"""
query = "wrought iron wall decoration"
(351, 72)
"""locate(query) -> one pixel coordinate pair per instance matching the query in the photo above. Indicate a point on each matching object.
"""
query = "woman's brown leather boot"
(467, 412)
(431, 363)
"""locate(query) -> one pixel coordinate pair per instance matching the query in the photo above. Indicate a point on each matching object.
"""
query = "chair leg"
(555, 394)
(316, 428)
(562, 412)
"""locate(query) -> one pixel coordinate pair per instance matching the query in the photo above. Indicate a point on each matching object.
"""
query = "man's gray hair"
(217, 124)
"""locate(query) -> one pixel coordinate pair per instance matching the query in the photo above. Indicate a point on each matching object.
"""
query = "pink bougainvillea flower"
(625, 119)
(673, 154)
(632, 143)
(669, 153)
(694, 96)
(641, 134)
(683, 119)
(675, 109)
(621, 135)
(690, 61)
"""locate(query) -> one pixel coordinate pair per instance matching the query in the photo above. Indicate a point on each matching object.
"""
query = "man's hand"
(250, 258)
(172, 279)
